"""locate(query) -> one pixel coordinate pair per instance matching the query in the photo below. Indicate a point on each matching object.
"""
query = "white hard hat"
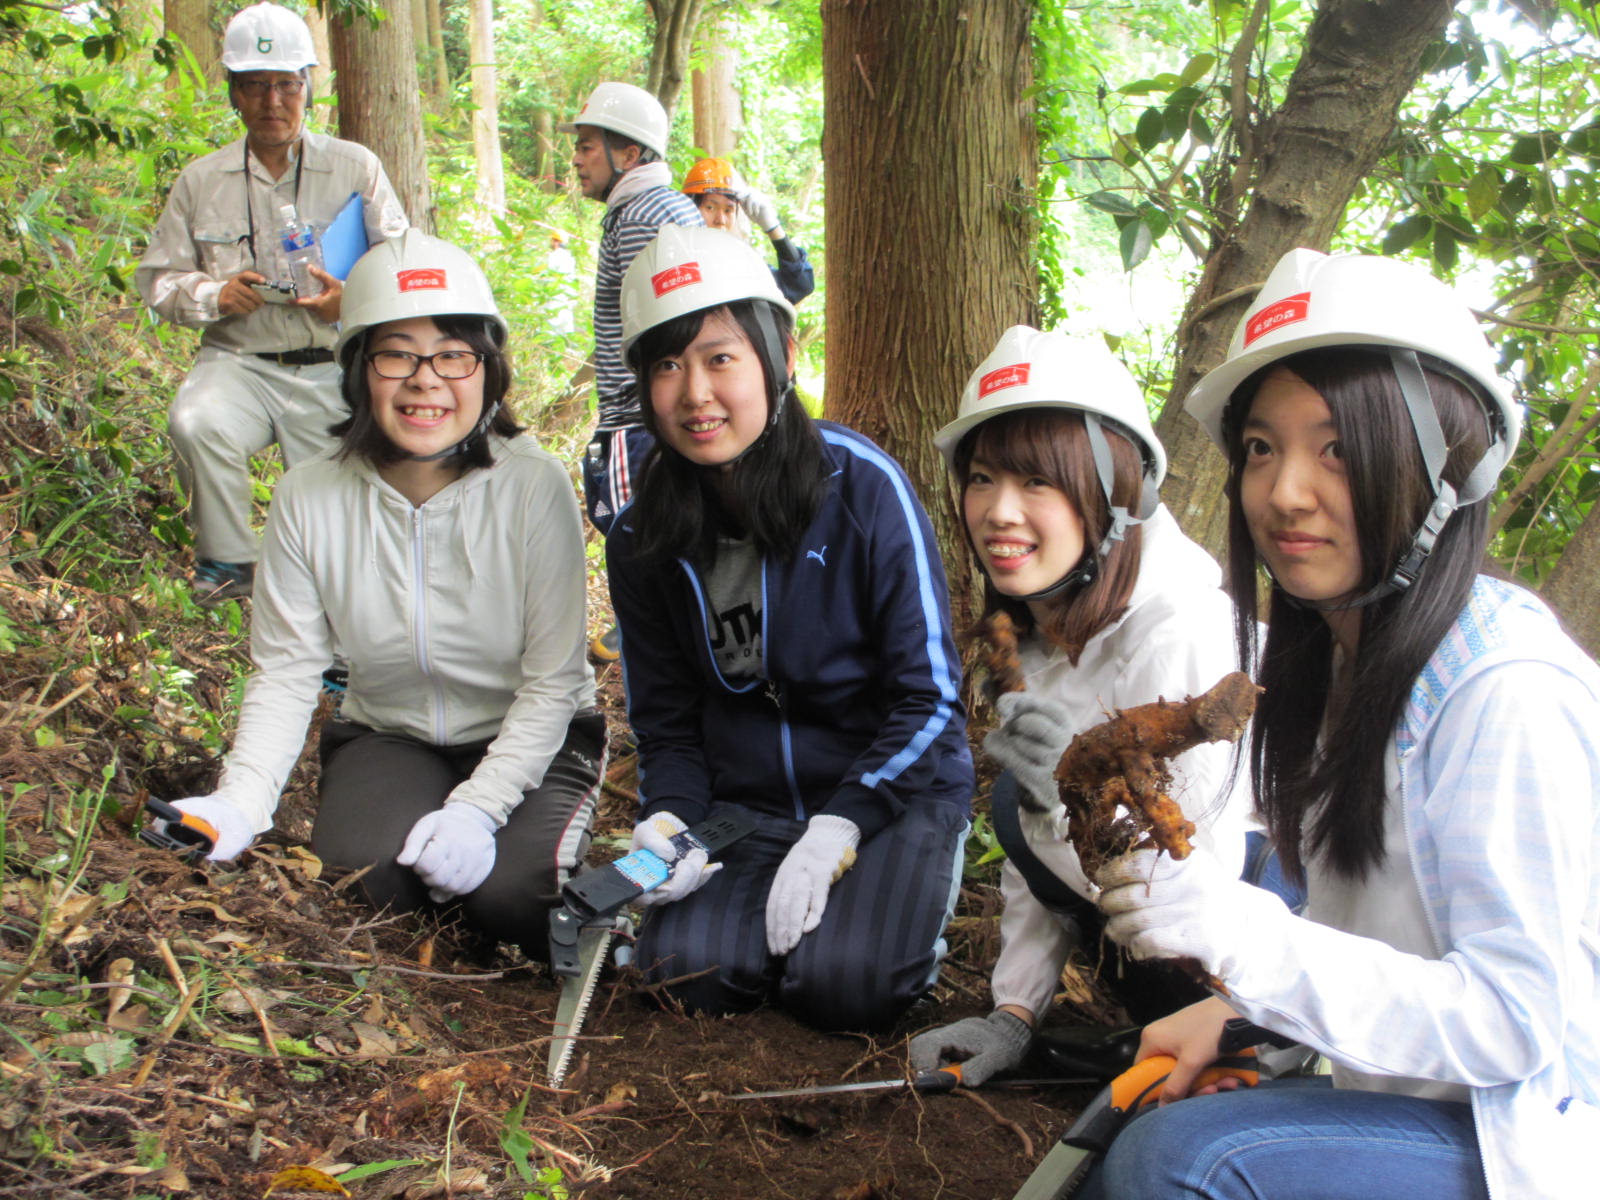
(688, 268)
(1313, 299)
(1033, 369)
(625, 109)
(267, 37)
(413, 275)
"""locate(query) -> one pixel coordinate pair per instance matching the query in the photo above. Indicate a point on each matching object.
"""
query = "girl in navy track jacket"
(786, 647)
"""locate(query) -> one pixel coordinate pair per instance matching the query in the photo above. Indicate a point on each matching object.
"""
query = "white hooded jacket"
(1174, 640)
(462, 620)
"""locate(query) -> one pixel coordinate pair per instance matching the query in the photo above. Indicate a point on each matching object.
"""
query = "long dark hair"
(771, 494)
(1053, 444)
(359, 435)
(1321, 789)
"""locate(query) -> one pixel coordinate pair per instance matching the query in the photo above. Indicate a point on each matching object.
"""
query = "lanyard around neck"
(249, 208)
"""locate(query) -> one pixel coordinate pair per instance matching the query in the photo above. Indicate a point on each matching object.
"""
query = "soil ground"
(173, 1030)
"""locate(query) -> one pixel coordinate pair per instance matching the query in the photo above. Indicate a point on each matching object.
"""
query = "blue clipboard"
(345, 240)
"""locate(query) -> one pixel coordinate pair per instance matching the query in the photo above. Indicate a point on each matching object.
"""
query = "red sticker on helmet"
(1274, 316)
(421, 279)
(676, 277)
(1003, 377)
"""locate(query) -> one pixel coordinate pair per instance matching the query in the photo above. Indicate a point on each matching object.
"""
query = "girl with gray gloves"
(1424, 754)
(442, 551)
(1058, 469)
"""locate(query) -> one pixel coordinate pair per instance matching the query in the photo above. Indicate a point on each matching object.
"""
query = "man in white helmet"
(265, 371)
(619, 159)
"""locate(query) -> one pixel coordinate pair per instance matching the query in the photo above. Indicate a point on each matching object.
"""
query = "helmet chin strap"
(1088, 567)
(1430, 441)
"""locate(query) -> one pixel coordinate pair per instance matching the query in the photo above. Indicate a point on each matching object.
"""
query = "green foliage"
(1492, 180)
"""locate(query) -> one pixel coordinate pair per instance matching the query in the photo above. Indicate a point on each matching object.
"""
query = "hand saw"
(582, 928)
(591, 944)
(938, 1079)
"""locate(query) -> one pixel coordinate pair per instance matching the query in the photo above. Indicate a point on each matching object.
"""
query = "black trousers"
(876, 951)
(376, 786)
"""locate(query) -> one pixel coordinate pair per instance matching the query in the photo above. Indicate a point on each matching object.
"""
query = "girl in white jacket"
(1424, 755)
(1058, 470)
(442, 553)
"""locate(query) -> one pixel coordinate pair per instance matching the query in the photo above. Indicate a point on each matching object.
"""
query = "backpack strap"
(1045, 884)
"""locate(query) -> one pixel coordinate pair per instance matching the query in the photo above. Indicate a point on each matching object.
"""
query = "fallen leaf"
(467, 1181)
(120, 974)
(305, 1179)
(374, 1042)
(131, 1019)
(620, 1091)
(215, 910)
(236, 1000)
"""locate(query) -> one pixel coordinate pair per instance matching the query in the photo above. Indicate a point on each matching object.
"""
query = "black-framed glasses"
(446, 364)
(257, 88)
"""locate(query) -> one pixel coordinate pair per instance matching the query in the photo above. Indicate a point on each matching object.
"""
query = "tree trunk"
(491, 193)
(190, 22)
(440, 67)
(1299, 168)
(931, 156)
(1574, 584)
(322, 73)
(717, 113)
(669, 54)
(380, 105)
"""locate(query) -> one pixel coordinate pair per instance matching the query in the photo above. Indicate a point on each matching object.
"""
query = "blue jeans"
(1294, 1139)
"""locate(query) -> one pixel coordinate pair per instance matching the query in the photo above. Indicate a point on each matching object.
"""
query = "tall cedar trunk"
(486, 112)
(1575, 582)
(431, 93)
(717, 114)
(380, 105)
(322, 73)
(441, 68)
(669, 54)
(190, 22)
(1361, 57)
(931, 154)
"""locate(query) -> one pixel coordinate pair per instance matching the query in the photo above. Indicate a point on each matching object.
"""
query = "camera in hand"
(275, 293)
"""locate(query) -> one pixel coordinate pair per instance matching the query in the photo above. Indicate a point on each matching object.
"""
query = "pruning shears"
(173, 829)
(1062, 1171)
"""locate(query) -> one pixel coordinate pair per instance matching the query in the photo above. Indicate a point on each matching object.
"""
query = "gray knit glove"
(982, 1045)
(1032, 737)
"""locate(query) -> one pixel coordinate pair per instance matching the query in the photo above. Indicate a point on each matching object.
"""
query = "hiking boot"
(216, 581)
(608, 646)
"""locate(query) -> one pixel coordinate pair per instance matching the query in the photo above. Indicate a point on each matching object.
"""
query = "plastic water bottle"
(300, 247)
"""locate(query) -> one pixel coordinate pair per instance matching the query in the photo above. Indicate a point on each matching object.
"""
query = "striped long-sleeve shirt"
(627, 229)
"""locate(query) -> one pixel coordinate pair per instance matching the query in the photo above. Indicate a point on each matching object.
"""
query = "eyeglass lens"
(446, 364)
(260, 87)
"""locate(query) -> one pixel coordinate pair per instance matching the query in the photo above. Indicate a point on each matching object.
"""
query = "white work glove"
(1032, 736)
(451, 849)
(689, 871)
(799, 892)
(1158, 907)
(234, 830)
(758, 206)
(982, 1045)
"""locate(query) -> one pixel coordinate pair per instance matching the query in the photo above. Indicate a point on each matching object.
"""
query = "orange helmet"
(713, 176)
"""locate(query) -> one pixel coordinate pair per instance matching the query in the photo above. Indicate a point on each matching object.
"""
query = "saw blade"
(577, 991)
